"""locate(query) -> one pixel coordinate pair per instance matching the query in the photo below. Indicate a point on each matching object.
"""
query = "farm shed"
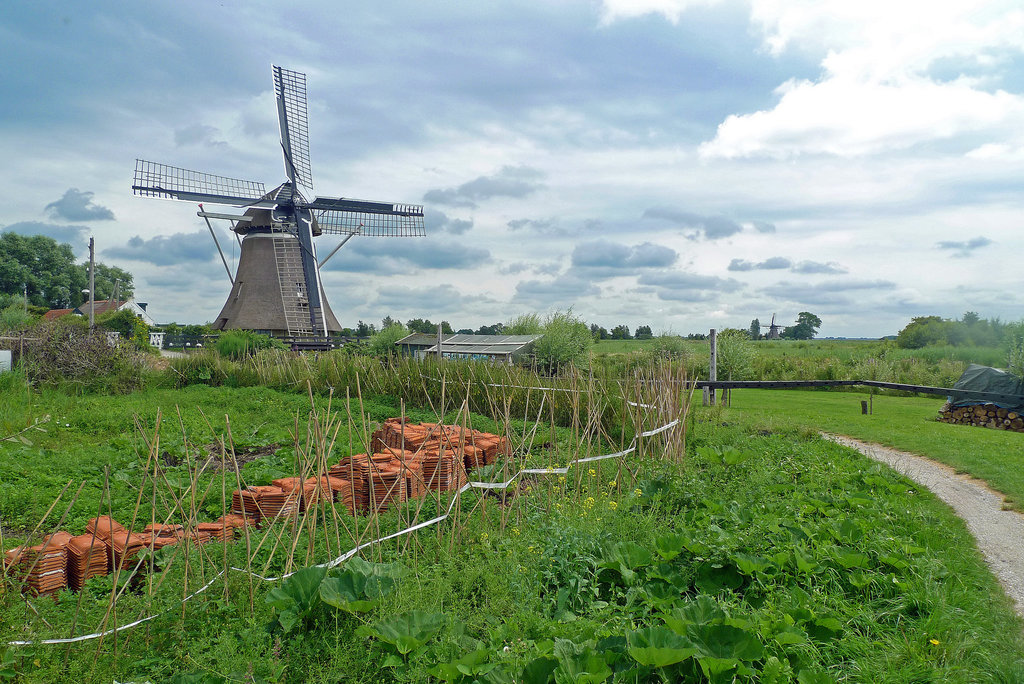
(502, 348)
(416, 344)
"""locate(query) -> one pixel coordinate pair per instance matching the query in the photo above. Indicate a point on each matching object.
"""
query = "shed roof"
(56, 313)
(422, 339)
(492, 345)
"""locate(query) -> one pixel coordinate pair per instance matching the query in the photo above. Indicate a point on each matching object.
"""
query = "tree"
(363, 330)
(644, 333)
(47, 270)
(620, 332)
(755, 329)
(496, 329)
(806, 327)
(597, 332)
(106, 278)
(388, 322)
(970, 318)
(43, 269)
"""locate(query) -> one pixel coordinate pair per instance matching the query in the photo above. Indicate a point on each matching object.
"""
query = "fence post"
(713, 372)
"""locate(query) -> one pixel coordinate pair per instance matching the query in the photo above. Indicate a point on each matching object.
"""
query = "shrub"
(383, 343)
(566, 341)
(62, 352)
(14, 315)
(130, 326)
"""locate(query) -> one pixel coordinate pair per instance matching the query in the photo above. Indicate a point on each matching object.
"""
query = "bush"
(383, 343)
(62, 352)
(566, 341)
(238, 344)
(14, 317)
(130, 326)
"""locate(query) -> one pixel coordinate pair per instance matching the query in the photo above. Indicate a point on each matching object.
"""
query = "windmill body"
(277, 287)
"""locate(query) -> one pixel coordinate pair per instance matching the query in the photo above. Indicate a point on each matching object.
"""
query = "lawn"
(906, 423)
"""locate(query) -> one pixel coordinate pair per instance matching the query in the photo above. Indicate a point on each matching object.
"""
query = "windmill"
(276, 288)
(773, 330)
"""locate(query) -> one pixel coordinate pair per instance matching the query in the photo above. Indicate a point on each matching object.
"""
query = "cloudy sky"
(683, 164)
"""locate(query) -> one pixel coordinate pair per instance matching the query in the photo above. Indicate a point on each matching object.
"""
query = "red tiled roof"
(56, 313)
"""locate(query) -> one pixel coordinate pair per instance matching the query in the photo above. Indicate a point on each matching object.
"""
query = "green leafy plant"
(406, 634)
(297, 599)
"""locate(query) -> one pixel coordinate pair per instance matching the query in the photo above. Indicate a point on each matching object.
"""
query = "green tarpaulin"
(985, 379)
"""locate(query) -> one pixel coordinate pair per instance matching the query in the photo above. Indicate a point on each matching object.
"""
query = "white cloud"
(614, 10)
(877, 91)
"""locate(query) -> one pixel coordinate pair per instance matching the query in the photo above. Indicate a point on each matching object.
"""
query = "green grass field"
(906, 423)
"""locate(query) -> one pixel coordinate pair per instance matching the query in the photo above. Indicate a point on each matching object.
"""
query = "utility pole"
(92, 285)
(439, 340)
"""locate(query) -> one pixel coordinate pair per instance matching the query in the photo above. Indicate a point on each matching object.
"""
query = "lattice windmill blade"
(372, 219)
(290, 88)
(160, 180)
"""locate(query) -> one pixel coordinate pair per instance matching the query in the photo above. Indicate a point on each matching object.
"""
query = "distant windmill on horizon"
(774, 330)
(276, 288)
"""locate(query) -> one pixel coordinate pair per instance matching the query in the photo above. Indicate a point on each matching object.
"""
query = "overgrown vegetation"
(240, 344)
(761, 556)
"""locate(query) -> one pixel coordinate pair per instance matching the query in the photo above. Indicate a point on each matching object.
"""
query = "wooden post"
(439, 339)
(863, 408)
(713, 373)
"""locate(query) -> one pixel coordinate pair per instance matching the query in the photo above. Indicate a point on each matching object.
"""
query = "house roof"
(101, 306)
(56, 313)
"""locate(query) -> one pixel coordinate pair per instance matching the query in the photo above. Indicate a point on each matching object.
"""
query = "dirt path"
(998, 533)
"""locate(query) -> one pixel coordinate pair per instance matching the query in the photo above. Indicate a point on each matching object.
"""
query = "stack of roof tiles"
(42, 568)
(124, 546)
(219, 531)
(443, 469)
(260, 503)
(86, 557)
(340, 490)
(353, 469)
(477, 448)
(386, 483)
(237, 522)
(307, 490)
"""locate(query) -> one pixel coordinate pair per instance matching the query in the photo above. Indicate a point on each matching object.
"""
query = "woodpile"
(982, 415)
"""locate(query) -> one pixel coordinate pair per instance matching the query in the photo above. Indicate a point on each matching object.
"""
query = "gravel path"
(998, 533)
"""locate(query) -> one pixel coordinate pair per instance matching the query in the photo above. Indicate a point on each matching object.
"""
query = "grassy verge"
(906, 423)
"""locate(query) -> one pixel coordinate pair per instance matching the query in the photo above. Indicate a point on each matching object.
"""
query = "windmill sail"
(290, 88)
(375, 219)
(170, 182)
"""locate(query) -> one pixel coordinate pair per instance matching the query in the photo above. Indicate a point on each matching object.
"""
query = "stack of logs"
(982, 415)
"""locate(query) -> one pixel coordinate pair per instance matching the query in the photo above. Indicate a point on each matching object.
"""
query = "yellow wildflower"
(515, 531)
(933, 642)
(592, 472)
(638, 491)
(613, 505)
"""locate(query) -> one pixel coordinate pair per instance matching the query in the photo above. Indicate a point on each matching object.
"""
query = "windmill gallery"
(276, 288)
